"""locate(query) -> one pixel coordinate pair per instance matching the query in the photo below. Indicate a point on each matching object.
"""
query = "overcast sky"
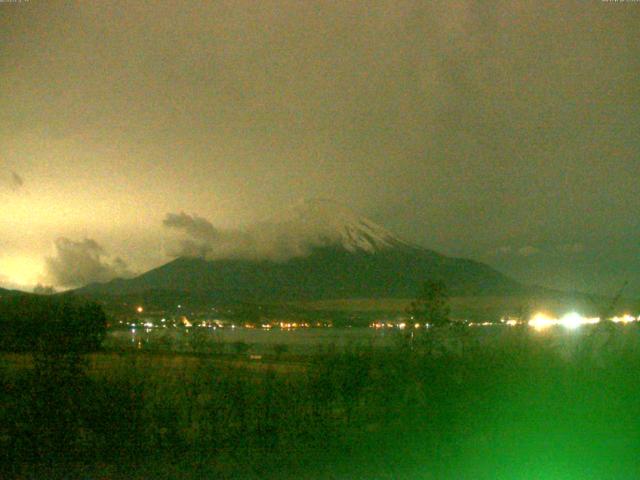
(504, 131)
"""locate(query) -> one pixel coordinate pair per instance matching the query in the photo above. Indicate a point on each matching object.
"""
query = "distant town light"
(541, 321)
(626, 318)
(139, 309)
(572, 320)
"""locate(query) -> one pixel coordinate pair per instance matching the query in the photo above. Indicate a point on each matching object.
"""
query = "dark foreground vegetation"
(441, 404)
(524, 408)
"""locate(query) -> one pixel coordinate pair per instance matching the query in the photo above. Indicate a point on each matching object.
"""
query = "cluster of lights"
(540, 321)
(215, 324)
(625, 319)
(401, 325)
(293, 325)
(573, 320)
(378, 325)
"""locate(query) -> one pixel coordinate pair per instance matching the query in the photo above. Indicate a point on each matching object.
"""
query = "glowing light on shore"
(591, 320)
(541, 321)
(626, 318)
(572, 320)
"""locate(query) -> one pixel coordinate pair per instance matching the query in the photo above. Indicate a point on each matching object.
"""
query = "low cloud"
(194, 226)
(199, 235)
(294, 234)
(78, 263)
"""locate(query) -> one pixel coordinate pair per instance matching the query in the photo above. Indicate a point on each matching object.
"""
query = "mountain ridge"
(334, 253)
(328, 272)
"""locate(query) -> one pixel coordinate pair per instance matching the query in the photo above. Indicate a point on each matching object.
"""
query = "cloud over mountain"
(78, 263)
(197, 237)
(292, 233)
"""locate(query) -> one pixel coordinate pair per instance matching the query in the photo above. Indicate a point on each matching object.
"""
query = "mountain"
(347, 256)
(4, 293)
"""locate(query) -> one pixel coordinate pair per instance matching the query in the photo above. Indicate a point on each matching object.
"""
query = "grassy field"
(521, 409)
(112, 364)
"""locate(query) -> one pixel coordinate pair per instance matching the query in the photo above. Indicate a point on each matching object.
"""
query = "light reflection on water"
(313, 340)
(261, 341)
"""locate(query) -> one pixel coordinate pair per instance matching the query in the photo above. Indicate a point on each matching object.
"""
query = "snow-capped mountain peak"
(332, 223)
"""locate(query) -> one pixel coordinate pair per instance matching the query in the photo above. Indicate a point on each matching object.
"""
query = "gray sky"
(505, 131)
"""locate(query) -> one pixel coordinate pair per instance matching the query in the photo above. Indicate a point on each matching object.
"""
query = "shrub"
(50, 325)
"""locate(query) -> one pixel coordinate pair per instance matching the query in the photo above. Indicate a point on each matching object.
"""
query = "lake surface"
(316, 340)
(299, 341)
